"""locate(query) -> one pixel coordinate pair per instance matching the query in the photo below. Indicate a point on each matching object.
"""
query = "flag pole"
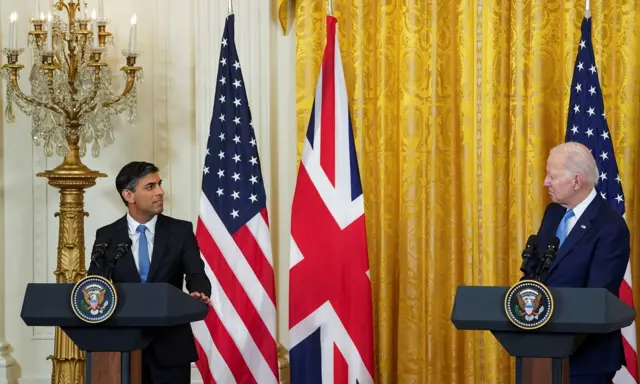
(330, 7)
(231, 6)
(587, 10)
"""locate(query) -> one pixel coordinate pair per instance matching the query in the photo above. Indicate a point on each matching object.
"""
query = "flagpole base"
(283, 365)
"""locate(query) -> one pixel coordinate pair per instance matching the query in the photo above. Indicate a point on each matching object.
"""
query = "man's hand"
(201, 296)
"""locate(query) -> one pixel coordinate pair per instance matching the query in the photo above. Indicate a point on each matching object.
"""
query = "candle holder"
(70, 106)
(96, 58)
(37, 34)
(12, 58)
(105, 37)
(131, 59)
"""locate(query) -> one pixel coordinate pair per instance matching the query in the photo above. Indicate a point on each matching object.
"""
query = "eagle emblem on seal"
(529, 304)
(94, 295)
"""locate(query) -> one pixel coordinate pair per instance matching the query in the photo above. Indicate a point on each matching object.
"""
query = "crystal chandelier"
(71, 102)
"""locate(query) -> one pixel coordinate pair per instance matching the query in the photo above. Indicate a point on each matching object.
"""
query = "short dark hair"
(130, 174)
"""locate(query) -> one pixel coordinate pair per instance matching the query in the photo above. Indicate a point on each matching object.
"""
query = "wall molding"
(162, 23)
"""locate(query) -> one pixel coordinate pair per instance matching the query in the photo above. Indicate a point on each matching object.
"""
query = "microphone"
(547, 258)
(528, 252)
(98, 252)
(121, 250)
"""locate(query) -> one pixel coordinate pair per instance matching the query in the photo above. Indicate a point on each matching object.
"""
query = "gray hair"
(579, 161)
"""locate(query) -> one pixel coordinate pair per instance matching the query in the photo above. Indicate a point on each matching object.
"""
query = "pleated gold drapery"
(455, 105)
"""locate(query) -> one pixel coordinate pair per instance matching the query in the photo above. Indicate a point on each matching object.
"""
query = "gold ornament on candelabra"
(71, 105)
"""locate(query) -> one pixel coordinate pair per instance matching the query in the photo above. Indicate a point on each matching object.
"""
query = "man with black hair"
(163, 249)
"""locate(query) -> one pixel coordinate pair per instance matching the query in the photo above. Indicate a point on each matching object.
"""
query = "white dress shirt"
(134, 235)
(579, 210)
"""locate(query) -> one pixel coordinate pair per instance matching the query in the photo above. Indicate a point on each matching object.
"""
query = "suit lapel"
(126, 265)
(159, 245)
(581, 228)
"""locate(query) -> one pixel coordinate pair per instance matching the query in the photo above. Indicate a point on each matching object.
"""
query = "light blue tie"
(561, 233)
(143, 253)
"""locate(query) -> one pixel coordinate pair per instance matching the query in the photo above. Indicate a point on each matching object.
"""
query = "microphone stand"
(120, 251)
(547, 259)
(98, 256)
(530, 250)
(107, 271)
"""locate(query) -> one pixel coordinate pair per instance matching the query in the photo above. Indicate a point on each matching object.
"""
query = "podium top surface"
(139, 305)
(576, 310)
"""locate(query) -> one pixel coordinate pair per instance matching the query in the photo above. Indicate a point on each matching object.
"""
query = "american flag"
(237, 340)
(587, 124)
(330, 309)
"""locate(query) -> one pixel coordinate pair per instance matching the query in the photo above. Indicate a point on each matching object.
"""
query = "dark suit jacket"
(594, 254)
(175, 256)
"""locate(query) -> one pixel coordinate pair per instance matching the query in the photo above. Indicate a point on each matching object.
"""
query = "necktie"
(561, 233)
(143, 253)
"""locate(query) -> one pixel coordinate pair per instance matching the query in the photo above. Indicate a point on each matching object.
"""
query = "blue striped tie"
(143, 253)
(561, 233)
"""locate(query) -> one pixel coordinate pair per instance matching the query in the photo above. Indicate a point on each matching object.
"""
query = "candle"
(13, 34)
(37, 8)
(49, 32)
(132, 33)
(101, 9)
(94, 27)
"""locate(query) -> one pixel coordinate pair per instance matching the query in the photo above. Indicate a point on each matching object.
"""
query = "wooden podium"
(539, 369)
(542, 354)
(113, 346)
(106, 367)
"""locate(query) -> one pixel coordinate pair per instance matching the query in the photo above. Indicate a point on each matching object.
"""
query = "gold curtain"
(455, 105)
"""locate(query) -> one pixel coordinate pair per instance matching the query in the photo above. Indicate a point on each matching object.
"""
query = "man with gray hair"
(594, 248)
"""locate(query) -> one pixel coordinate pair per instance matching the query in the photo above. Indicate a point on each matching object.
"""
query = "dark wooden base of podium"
(111, 368)
(534, 370)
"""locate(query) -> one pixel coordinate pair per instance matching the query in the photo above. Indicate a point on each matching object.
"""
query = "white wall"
(180, 40)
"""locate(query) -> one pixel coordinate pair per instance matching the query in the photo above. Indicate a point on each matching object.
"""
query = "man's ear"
(129, 196)
(578, 180)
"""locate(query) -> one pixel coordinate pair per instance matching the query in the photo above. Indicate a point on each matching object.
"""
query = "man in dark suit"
(163, 249)
(594, 250)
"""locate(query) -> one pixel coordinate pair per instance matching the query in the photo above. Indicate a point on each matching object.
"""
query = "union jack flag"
(587, 124)
(330, 309)
(236, 342)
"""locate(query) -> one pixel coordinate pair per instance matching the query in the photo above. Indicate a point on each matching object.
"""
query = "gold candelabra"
(70, 106)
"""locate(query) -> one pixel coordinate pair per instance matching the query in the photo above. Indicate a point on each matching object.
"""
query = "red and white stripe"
(628, 374)
(238, 336)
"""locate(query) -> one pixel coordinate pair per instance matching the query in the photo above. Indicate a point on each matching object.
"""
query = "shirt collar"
(133, 225)
(580, 208)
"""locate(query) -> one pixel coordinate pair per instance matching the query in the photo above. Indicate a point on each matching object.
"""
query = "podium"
(542, 354)
(141, 311)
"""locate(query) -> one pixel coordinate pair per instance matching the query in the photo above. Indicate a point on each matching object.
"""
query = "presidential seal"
(93, 299)
(528, 304)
